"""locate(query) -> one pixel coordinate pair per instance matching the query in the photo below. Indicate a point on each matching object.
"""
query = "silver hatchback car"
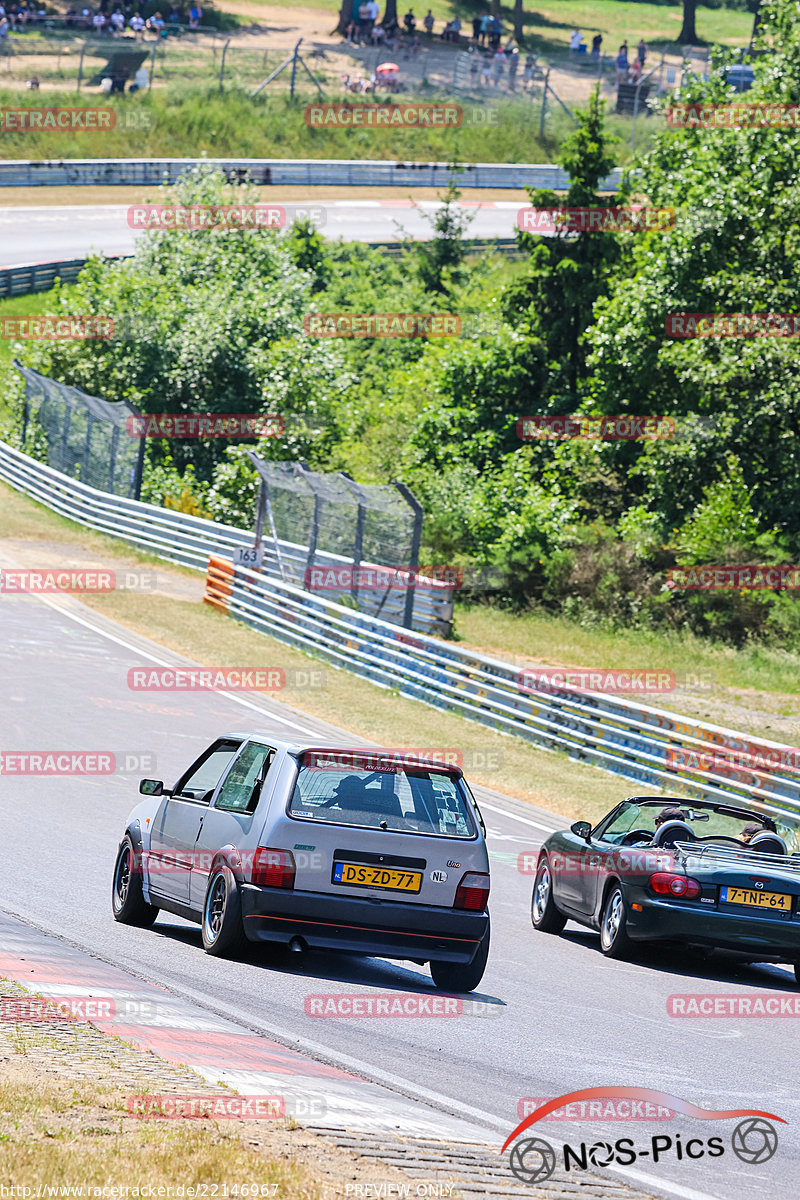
(369, 852)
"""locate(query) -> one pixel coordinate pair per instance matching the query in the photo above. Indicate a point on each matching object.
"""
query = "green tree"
(440, 261)
(208, 321)
(567, 272)
(733, 249)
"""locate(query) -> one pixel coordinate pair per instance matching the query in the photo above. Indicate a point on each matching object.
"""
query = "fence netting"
(326, 533)
(87, 438)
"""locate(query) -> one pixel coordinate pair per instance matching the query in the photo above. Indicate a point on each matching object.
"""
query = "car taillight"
(273, 868)
(664, 883)
(472, 892)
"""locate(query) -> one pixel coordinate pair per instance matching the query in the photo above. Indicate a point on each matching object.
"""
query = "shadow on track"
(713, 965)
(321, 965)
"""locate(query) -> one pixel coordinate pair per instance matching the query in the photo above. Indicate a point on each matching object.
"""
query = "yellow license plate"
(390, 878)
(755, 899)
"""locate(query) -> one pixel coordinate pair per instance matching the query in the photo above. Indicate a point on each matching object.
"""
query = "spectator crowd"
(103, 21)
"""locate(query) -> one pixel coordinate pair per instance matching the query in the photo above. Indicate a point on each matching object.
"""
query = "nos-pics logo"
(754, 1140)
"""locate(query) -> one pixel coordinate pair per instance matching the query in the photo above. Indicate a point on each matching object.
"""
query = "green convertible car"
(703, 873)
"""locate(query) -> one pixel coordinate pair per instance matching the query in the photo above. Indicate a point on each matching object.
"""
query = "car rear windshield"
(411, 799)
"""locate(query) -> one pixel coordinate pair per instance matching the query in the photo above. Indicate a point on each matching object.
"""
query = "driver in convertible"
(670, 814)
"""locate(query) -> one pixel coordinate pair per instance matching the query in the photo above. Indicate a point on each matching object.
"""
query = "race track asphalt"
(563, 1017)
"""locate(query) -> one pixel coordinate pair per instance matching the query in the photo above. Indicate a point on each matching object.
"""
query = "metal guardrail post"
(358, 542)
(294, 69)
(112, 458)
(222, 65)
(80, 66)
(314, 532)
(137, 481)
(87, 448)
(416, 540)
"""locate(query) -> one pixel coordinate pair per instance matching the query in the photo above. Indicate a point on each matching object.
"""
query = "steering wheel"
(637, 835)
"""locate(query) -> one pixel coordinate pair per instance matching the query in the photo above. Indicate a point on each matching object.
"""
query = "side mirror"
(151, 787)
(582, 829)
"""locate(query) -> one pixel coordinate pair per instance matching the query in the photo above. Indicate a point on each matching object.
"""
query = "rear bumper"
(703, 925)
(380, 927)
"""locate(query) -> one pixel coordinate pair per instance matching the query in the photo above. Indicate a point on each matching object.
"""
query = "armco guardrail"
(39, 277)
(188, 540)
(639, 743)
(280, 172)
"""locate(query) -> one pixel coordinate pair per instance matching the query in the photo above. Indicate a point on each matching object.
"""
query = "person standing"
(485, 27)
(428, 23)
(622, 62)
(498, 65)
(364, 23)
(597, 42)
(641, 52)
(476, 30)
(513, 65)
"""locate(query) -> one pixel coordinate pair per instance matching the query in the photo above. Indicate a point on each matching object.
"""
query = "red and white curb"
(217, 1049)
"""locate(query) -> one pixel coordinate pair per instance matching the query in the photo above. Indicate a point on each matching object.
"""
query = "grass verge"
(80, 1134)
(65, 1123)
(193, 121)
(553, 640)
